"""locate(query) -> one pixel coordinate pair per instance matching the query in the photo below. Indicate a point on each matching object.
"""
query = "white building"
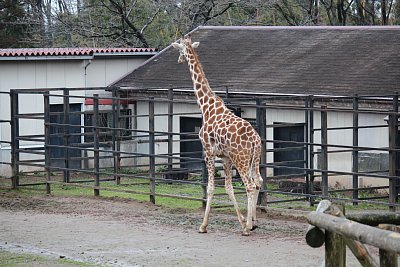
(57, 68)
(322, 61)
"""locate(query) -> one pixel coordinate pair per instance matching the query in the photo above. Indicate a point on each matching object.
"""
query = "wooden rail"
(328, 225)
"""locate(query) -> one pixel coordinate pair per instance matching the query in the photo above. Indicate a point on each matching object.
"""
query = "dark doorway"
(193, 148)
(292, 154)
(57, 135)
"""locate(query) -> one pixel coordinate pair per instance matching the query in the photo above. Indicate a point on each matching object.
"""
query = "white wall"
(374, 137)
(36, 74)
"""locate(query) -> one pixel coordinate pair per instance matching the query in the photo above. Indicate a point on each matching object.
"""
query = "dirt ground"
(117, 232)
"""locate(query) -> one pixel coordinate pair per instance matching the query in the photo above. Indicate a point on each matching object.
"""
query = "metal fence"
(131, 142)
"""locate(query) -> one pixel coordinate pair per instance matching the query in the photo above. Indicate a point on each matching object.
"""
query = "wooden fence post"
(388, 258)
(335, 247)
(315, 236)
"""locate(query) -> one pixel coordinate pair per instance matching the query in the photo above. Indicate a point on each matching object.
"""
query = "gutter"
(32, 58)
(84, 57)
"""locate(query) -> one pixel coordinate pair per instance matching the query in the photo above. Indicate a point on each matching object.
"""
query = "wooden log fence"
(329, 225)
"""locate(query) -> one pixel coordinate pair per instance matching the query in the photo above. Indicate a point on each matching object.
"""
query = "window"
(106, 125)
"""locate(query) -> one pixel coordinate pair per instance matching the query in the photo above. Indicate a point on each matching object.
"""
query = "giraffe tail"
(253, 163)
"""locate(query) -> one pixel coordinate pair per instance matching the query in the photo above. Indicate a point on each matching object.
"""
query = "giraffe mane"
(196, 58)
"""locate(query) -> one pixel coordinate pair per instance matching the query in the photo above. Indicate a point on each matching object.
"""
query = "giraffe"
(227, 136)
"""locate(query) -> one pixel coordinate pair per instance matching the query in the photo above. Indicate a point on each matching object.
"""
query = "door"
(288, 153)
(191, 149)
(57, 136)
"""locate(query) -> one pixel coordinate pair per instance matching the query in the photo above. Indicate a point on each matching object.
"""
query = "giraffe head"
(183, 46)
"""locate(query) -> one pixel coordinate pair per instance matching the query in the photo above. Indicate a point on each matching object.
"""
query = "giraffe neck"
(204, 94)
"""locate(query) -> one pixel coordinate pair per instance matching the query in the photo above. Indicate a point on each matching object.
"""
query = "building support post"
(116, 134)
(324, 152)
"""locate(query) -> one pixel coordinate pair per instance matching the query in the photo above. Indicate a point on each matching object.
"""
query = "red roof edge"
(31, 52)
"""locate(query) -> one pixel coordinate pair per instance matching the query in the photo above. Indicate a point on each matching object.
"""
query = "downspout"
(86, 66)
(85, 155)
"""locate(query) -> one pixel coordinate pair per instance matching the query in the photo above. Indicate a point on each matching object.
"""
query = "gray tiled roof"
(298, 60)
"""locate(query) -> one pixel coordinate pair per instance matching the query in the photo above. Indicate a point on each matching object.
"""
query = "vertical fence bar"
(311, 147)
(152, 162)
(170, 128)
(324, 151)
(115, 136)
(396, 182)
(261, 121)
(96, 153)
(66, 135)
(306, 138)
(355, 150)
(393, 120)
(46, 102)
(14, 138)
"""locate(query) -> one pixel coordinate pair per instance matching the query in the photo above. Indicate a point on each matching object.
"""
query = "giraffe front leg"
(210, 164)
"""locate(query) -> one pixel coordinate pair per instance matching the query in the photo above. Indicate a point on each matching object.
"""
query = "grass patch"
(139, 190)
(13, 259)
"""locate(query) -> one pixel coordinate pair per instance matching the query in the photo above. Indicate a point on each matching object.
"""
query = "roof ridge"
(380, 27)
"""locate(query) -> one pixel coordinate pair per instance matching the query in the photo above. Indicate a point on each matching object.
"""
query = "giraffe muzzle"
(181, 59)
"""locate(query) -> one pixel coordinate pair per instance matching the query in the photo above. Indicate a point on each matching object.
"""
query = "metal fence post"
(261, 125)
(170, 128)
(66, 135)
(355, 151)
(311, 147)
(14, 138)
(46, 102)
(152, 169)
(393, 120)
(324, 152)
(96, 144)
(115, 136)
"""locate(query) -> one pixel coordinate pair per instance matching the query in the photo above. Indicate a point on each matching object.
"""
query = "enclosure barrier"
(329, 226)
(109, 139)
(5, 142)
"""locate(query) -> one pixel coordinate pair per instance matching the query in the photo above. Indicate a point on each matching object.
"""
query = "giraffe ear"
(177, 46)
(195, 44)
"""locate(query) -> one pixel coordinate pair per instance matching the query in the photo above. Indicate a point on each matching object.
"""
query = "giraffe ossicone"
(227, 136)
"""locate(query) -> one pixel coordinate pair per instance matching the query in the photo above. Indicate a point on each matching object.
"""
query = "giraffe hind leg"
(227, 164)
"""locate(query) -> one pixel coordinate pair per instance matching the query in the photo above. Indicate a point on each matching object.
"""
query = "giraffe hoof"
(245, 233)
(254, 227)
(202, 230)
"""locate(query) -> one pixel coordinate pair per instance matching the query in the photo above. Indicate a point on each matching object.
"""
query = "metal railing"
(143, 143)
